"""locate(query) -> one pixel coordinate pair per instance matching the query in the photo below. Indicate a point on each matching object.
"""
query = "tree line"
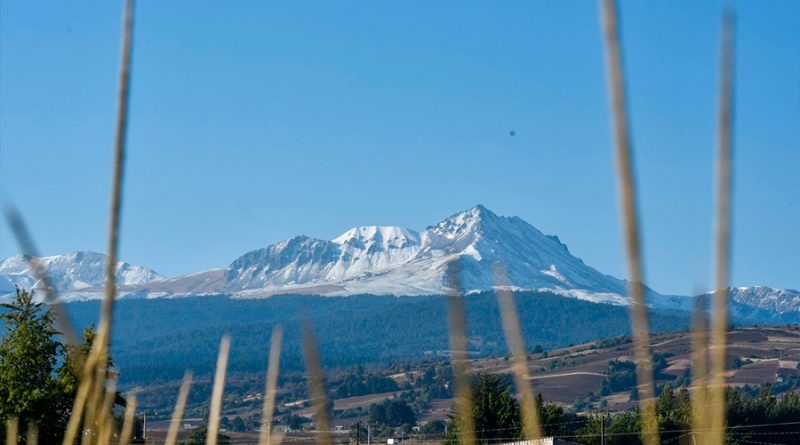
(752, 415)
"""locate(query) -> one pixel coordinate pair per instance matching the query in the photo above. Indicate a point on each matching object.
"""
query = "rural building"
(542, 441)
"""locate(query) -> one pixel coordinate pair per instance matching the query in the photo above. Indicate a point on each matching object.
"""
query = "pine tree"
(39, 376)
(30, 389)
(495, 411)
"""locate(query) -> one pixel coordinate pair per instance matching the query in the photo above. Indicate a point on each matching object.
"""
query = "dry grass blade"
(700, 370)
(277, 438)
(128, 423)
(107, 311)
(31, 254)
(32, 435)
(104, 419)
(78, 405)
(93, 407)
(106, 431)
(12, 430)
(627, 192)
(316, 383)
(180, 406)
(265, 438)
(457, 328)
(216, 393)
(98, 358)
(723, 233)
(516, 346)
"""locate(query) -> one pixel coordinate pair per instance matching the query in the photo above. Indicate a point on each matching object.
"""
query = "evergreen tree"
(39, 376)
(393, 413)
(29, 355)
(495, 411)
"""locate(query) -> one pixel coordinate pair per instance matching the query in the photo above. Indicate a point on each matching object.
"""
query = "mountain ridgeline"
(386, 261)
(72, 274)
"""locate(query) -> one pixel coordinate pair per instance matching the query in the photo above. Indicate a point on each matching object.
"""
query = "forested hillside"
(156, 340)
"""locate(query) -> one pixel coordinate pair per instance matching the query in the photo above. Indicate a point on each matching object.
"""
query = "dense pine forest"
(157, 340)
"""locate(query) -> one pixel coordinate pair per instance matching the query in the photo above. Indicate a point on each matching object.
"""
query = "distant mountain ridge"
(72, 273)
(767, 298)
(399, 261)
(384, 260)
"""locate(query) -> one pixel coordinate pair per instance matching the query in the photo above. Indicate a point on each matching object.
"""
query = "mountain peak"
(383, 236)
(767, 298)
(82, 271)
(470, 221)
(479, 211)
(85, 255)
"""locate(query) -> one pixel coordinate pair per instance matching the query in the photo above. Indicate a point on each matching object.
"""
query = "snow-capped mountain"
(386, 261)
(357, 254)
(74, 275)
(399, 261)
(766, 298)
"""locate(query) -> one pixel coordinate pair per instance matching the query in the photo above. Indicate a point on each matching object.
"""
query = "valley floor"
(576, 377)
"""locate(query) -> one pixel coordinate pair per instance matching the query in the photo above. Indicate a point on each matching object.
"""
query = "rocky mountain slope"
(491, 251)
(399, 261)
(72, 274)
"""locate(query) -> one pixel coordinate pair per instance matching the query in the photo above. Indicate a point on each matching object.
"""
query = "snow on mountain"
(768, 299)
(398, 261)
(75, 275)
(386, 261)
(359, 253)
(760, 302)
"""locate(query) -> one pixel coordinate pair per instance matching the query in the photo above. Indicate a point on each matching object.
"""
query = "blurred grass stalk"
(265, 437)
(627, 194)
(700, 336)
(316, 383)
(457, 329)
(105, 422)
(129, 422)
(516, 345)
(180, 406)
(217, 392)
(32, 435)
(100, 347)
(94, 370)
(12, 430)
(722, 232)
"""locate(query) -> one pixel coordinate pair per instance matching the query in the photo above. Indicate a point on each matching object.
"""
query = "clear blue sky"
(255, 121)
